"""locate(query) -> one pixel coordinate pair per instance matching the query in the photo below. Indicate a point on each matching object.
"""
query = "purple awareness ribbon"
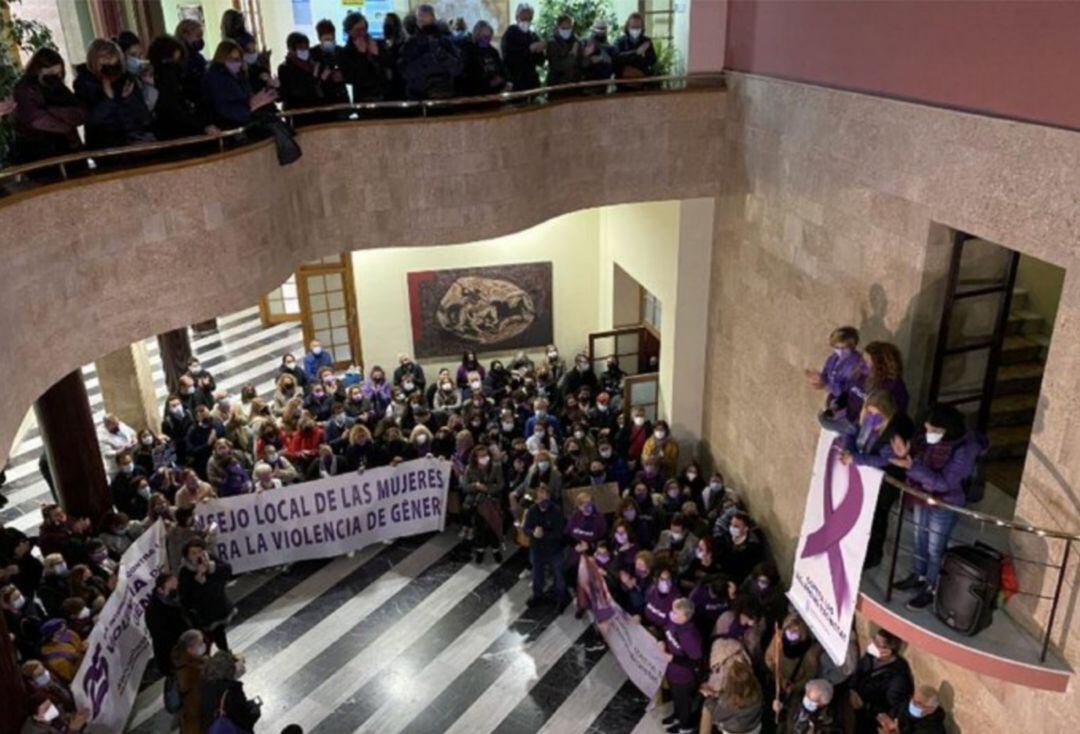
(837, 524)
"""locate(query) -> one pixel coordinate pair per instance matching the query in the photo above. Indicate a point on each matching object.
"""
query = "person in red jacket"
(302, 445)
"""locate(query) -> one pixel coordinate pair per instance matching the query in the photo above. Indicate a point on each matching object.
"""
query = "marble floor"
(407, 637)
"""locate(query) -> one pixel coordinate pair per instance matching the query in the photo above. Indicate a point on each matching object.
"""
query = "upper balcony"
(99, 260)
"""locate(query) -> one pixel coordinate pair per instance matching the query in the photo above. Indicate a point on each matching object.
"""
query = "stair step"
(1024, 377)
(1008, 442)
(1019, 348)
(1023, 321)
(1013, 410)
(1020, 299)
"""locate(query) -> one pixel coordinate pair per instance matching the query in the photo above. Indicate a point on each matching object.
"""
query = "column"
(175, 350)
(127, 387)
(13, 712)
(71, 447)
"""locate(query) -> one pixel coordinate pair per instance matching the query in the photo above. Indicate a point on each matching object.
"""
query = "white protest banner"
(119, 645)
(832, 545)
(635, 649)
(330, 516)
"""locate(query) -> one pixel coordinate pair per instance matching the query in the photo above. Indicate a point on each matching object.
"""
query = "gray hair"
(220, 666)
(929, 696)
(189, 638)
(824, 690)
(523, 8)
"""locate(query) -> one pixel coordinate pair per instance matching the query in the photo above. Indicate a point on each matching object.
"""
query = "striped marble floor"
(408, 637)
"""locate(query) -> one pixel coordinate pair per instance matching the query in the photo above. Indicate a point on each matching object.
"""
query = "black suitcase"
(967, 587)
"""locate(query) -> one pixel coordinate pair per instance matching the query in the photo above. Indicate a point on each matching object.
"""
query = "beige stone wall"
(830, 212)
(96, 265)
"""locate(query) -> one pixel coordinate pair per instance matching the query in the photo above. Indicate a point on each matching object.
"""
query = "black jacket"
(485, 72)
(430, 63)
(521, 63)
(332, 92)
(886, 689)
(933, 723)
(177, 430)
(238, 709)
(175, 115)
(626, 55)
(166, 621)
(207, 603)
(299, 86)
(552, 522)
(363, 72)
(116, 121)
(125, 497)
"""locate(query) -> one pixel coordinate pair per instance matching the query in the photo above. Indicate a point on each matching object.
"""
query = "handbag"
(222, 724)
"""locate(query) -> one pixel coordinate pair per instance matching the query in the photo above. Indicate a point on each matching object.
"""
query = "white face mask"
(250, 58)
(50, 713)
(635, 33)
(303, 54)
(524, 25)
(659, 435)
(639, 420)
(873, 651)
(933, 438)
(42, 680)
(200, 650)
(566, 33)
(83, 614)
(316, 351)
(475, 384)
(19, 603)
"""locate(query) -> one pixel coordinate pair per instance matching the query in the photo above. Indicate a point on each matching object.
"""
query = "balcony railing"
(87, 163)
(1016, 659)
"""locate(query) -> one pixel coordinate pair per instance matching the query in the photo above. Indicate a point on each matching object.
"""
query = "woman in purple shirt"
(683, 646)
(658, 600)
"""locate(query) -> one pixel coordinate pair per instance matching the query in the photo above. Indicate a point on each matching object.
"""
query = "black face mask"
(198, 45)
(52, 81)
(112, 71)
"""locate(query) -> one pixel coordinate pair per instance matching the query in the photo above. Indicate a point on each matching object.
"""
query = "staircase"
(1016, 393)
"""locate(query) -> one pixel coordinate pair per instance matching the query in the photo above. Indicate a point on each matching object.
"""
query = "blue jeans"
(933, 526)
(541, 563)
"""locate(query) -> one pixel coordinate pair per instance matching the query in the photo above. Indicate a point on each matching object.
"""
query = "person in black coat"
(923, 715)
(635, 56)
(129, 487)
(430, 62)
(598, 60)
(523, 51)
(166, 620)
(390, 46)
(226, 92)
(200, 439)
(882, 683)
(298, 75)
(738, 547)
(222, 691)
(48, 114)
(544, 524)
(189, 33)
(327, 55)
(176, 424)
(117, 112)
(203, 595)
(361, 64)
(175, 114)
(485, 72)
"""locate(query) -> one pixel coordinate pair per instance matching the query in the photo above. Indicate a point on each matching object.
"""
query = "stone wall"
(92, 266)
(834, 209)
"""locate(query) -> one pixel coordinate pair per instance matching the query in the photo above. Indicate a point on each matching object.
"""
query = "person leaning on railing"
(48, 114)
(175, 115)
(485, 72)
(190, 35)
(327, 56)
(361, 60)
(635, 55)
(565, 54)
(226, 90)
(117, 114)
(523, 51)
(429, 62)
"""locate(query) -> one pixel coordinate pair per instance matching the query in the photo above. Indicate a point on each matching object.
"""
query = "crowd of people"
(132, 90)
(681, 554)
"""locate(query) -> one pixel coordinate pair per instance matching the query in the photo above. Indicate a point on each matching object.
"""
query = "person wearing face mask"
(429, 61)
(115, 436)
(203, 593)
(469, 369)
(662, 448)
(659, 597)
(843, 369)
(378, 390)
(712, 596)
(187, 661)
(327, 57)
(315, 359)
(763, 583)
(222, 693)
(702, 565)
(361, 60)
(482, 484)
(129, 487)
(136, 65)
(338, 427)
(628, 592)
(103, 567)
(523, 51)
(882, 683)
(146, 445)
(744, 621)
(47, 114)
(294, 371)
(298, 77)
(55, 584)
(624, 545)
(565, 53)
(677, 544)
(319, 402)
(541, 411)
(635, 56)
(923, 715)
(166, 621)
(682, 645)
(813, 712)
(117, 112)
(77, 616)
(941, 461)
(598, 61)
(601, 417)
(544, 526)
(484, 70)
(586, 528)
(390, 46)
(23, 617)
(799, 657)
(176, 115)
(740, 549)
(41, 685)
(631, 437)
(230, 99)
(47, 718)
(409, 371)
(189, 33)
(581, 376)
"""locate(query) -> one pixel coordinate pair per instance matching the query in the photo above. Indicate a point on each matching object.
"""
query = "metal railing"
(984, 518)
(362, 112)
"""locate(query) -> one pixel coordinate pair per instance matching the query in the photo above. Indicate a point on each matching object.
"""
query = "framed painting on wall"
(488, 309)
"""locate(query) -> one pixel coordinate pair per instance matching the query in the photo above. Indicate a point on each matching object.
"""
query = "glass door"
(328, 308)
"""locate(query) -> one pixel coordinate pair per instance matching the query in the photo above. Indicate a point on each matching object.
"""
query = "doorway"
(996, 325)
